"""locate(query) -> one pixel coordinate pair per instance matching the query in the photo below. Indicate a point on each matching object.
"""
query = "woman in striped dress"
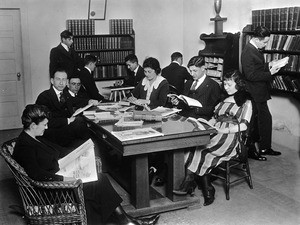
(223, 145)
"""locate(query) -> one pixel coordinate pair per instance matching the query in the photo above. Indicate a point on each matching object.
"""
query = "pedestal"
(218, 24)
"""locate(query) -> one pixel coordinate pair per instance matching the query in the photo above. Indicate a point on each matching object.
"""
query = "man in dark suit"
(88, 83)
(175, 73)
(258, 75)
(202, 88)
(135, 71)
(64, 129)
(63, 56)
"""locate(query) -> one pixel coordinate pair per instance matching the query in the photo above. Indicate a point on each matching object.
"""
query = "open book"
(78, 111)
(187, 100)
(80, 163)
(165, 111)
(281, 62)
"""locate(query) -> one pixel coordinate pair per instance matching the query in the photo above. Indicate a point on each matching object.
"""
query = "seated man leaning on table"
(202, 88)
(151, 91)
(64, 128)
(77, 99)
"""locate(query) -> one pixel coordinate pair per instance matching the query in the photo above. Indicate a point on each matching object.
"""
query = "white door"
(11, 70)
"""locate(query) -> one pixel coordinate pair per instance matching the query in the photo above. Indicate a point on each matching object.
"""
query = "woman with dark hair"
(153, 89)
(223, 145)
(39, 158)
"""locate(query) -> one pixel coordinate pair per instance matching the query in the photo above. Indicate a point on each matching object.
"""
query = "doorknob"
(19, 76)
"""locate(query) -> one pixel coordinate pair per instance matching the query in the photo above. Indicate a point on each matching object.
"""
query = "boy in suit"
(135, 71)
(63, 128)
(175, 73)
(258, 75)
(63, 56)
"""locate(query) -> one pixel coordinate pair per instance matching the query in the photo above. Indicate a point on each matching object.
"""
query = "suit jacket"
(132, 80)
(59, 112)
(158, 96)
(79, 101)
(208, 94)
(256, 73)
(89, 86)
(61, 58)
(176, 75)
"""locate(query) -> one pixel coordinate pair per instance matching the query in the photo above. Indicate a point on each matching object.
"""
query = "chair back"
(46, 202)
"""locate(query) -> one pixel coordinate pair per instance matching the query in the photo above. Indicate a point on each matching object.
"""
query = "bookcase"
(110, 49)
(284, 41)
(221, 53)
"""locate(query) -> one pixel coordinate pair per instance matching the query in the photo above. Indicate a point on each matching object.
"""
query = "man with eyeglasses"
(64, 56)
(258, 77)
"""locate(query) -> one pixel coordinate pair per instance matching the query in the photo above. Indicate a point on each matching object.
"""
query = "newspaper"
(139, 133)
(80, 163)
(187, 100)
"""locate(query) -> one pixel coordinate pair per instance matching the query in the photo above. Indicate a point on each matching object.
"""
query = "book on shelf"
(139, 133)
(80, 163)
(187, 100)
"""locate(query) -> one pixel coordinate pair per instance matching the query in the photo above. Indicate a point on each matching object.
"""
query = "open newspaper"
(80, 163)
(187, 100)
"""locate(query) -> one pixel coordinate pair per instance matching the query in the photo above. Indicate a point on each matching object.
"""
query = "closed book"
(255, 19)
(262, 17)
(278, 18)
(278, 41)
(290, 18)
(284, 13)
(287, 42)
(268, 19)
(274, 18)
(296, 18)
(282, 42)
(275, 41)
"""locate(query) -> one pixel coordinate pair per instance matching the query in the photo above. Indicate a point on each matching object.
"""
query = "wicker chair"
(55, 202)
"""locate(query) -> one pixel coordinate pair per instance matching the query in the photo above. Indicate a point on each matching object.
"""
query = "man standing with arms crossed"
(258, 75)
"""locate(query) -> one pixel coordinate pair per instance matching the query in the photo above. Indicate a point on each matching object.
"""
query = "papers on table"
(165, 111)
(139, 133)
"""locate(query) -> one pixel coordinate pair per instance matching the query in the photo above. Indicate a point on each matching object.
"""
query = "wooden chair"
(54, 202)
(238, 165)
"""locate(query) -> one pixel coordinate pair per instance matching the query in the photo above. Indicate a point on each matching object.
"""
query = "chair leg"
(227, 181)
(249, 179)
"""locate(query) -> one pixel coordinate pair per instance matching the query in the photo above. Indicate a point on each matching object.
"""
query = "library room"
(150, 112)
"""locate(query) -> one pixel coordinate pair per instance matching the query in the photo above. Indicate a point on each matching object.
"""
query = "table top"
(120, 88)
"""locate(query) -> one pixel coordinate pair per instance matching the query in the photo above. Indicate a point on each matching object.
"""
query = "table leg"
(140, 182)
(176, 173)
(120, 96)
(115, 95)
(123, 92)
(111, 95)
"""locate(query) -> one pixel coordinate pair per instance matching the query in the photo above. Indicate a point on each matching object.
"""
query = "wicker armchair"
(55, 202)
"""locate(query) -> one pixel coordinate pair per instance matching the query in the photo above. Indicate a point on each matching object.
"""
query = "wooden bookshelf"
(221, 53)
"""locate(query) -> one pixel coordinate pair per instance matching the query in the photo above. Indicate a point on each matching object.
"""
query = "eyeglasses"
(76, 84)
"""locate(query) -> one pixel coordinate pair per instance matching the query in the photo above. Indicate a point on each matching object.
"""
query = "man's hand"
(174, 100)
(94, 102)
(71, 119)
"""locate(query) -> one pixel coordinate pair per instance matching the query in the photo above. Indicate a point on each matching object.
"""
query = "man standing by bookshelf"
(136, 72)
(175, 73)
(258, 76)
(63, 56)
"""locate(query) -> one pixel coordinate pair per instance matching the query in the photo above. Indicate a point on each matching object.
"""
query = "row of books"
(284, 42)
(109, 56)
(286, 83)
(214, 66)
(81, 27)
(102, 42)
(121, 26)
(110, 71)
(277, 18)
(213, 60)
(293, 64)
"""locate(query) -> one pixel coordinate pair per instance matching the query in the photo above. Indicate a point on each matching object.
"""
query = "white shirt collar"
(72, 93)
(200, 81)
(136, 69)
(57, 92)
(65, 46)
(88, 69)
(176, 62)
(252, 43)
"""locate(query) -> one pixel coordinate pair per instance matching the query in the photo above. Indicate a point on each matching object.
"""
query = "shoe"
(270, 152)
(209, 195)
(256, 156)
(187, 187)
(159, 181)
(146, 221)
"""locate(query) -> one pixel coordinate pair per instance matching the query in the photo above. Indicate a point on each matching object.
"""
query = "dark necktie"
(193, 88)
(62, 99)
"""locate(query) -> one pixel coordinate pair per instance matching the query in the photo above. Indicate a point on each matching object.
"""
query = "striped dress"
(222, 147)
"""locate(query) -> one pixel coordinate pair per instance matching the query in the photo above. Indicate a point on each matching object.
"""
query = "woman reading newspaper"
(39, 158)
(223, 145)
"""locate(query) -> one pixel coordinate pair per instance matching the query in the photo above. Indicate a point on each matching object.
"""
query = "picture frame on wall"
(97, 9)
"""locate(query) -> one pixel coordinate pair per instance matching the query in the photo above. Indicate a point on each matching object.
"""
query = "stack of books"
(121, 26)
(81, 27)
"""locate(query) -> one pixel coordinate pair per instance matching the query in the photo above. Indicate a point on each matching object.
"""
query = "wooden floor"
(275, 198)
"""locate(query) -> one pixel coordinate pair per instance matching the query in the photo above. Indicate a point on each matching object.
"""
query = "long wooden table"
(179, 134)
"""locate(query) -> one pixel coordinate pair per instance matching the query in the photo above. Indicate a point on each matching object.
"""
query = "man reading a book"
(258, 75)
(64, 128)
(201, 88)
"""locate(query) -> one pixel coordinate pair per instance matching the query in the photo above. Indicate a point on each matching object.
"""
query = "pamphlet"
(80, 110)
(80, 163)
(187, 100)
(139, 133)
